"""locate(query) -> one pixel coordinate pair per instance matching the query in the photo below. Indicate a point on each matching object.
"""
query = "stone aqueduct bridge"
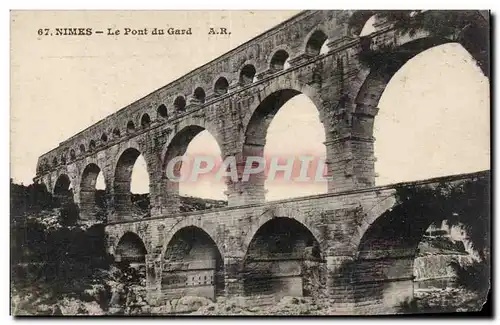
(253, 247)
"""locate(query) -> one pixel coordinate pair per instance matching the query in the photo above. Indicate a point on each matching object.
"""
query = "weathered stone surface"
(241, 240)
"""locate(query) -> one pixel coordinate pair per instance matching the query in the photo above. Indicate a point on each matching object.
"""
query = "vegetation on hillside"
(465, 204)
(60, 265)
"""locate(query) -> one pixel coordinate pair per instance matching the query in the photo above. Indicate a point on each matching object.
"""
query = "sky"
(433, 119)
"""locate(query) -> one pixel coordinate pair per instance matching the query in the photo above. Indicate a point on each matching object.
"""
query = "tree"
(465, 203)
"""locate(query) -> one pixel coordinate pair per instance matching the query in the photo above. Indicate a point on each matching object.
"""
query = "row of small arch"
(286, 224)
(248, 71)
(145, 123)
(221, 86)
(247, 74)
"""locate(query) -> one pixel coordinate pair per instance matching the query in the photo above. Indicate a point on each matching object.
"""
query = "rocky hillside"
(188, 203)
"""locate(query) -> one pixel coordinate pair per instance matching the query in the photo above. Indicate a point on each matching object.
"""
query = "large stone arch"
(375, 78)
(370, 215)
(122, 177)
(61, 190)
(62, 184)
(178, 143)
(176, 146)
(184, 132)
(407, 44)
(410, 198)
(283, 84)
(192, 265)
(282, 212)
(394, 229)
(192, 221)
(283, 258)
(382, 272)
(132, 251)
(141, 229)
(255, 124)
(87, 192)
(471, 32)
(365, 89)
(132, 238)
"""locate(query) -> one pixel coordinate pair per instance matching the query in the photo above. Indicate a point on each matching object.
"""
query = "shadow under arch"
(122, 197)
(383, 269)
(357, 20)
(90, 202)
(193, 265)
(283, 258)
(62, 192)
(315, 42)
(131, 252)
